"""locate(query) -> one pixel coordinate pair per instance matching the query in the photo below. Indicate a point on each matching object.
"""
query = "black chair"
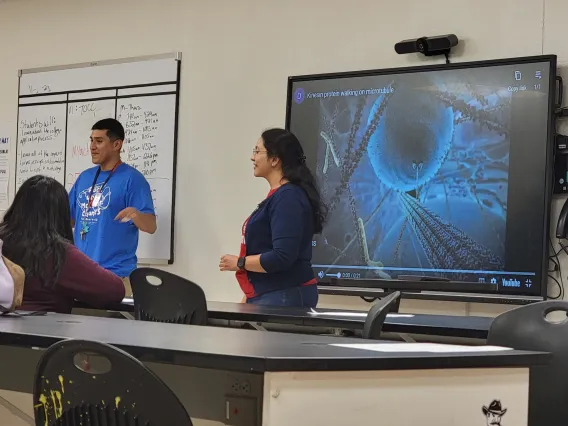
(87, 383)
(377, 315)
(173, 300)
(527, 328)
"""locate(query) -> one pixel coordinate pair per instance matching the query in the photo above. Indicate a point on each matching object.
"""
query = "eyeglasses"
(257, 151)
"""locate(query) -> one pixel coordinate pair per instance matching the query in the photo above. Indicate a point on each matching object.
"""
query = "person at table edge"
(274, 264)
(37, 235)
(110, 203)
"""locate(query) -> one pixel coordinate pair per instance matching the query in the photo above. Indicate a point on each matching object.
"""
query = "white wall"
(237, 57)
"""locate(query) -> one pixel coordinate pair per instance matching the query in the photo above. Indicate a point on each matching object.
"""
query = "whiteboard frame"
(174, 55)
(177, 56)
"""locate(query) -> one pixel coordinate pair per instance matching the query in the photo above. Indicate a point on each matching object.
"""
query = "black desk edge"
(394, 361)
(432, 295)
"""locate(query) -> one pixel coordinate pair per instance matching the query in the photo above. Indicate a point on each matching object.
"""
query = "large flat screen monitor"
(439, 171)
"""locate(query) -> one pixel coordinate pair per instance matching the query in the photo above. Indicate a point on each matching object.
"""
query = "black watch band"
(241, 263)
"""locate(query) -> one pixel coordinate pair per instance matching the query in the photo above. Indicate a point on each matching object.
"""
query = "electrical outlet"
(240, 411)
(236, 388)
(245, 387)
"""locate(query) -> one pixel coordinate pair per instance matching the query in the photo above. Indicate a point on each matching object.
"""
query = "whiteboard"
(149, 124)
(41, 142)
(59, 105)
(82, 115)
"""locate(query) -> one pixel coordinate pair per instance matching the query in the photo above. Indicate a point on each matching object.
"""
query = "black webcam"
(428, 46)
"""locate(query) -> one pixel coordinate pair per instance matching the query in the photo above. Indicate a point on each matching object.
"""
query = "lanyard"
(245, 225)
(104, 184)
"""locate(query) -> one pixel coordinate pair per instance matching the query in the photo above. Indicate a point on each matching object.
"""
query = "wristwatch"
(241, 263)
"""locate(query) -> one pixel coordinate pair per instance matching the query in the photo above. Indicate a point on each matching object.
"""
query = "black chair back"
(527, 328)
(377, 315)
(173, 300)
(79, 382)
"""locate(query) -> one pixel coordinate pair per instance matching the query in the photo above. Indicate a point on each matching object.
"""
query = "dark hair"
(114, 129)
(37, 226)
(284, 145)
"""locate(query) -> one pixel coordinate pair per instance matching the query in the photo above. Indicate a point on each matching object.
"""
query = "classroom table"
(245, 377)
(400, 323)
(334, 320)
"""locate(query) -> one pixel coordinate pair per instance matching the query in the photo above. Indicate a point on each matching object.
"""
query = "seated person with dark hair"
(37, 235)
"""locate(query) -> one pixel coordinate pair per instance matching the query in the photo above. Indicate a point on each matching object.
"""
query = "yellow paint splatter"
(43, 401)
(70, 382)
(57, 404)
(62, 384)
(117, 401)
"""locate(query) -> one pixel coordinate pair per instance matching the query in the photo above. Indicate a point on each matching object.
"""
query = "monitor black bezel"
(548, 178)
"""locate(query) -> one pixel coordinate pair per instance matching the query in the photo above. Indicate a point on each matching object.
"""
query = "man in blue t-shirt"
(110, 203)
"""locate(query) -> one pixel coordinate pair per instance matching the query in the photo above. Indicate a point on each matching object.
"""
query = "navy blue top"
(281, 230)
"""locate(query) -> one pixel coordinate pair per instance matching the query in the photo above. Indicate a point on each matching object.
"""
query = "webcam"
(428, 46)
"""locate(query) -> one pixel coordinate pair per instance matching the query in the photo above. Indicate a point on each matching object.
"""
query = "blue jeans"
(298, 297)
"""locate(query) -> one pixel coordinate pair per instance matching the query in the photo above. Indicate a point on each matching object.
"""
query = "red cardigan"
(80, 279)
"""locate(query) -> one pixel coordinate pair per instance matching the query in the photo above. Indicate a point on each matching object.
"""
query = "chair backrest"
(377, 315)
(173, 300)
(91, 383)
(527, 328)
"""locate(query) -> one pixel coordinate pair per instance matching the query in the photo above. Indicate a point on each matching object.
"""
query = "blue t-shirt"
(109, 242)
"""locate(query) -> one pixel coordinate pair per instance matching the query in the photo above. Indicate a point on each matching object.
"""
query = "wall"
(237, 57)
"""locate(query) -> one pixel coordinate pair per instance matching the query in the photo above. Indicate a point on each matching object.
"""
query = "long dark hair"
(284, 145)
(37, 226)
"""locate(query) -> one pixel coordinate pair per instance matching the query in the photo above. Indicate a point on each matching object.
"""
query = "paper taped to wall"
(419, 347)
(353, 314)
(5, 140)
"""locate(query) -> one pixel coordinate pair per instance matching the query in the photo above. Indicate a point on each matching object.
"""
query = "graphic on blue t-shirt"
(100, 202)
(110, 243)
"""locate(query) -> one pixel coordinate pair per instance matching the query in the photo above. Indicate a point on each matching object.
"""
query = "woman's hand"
(228, 263)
